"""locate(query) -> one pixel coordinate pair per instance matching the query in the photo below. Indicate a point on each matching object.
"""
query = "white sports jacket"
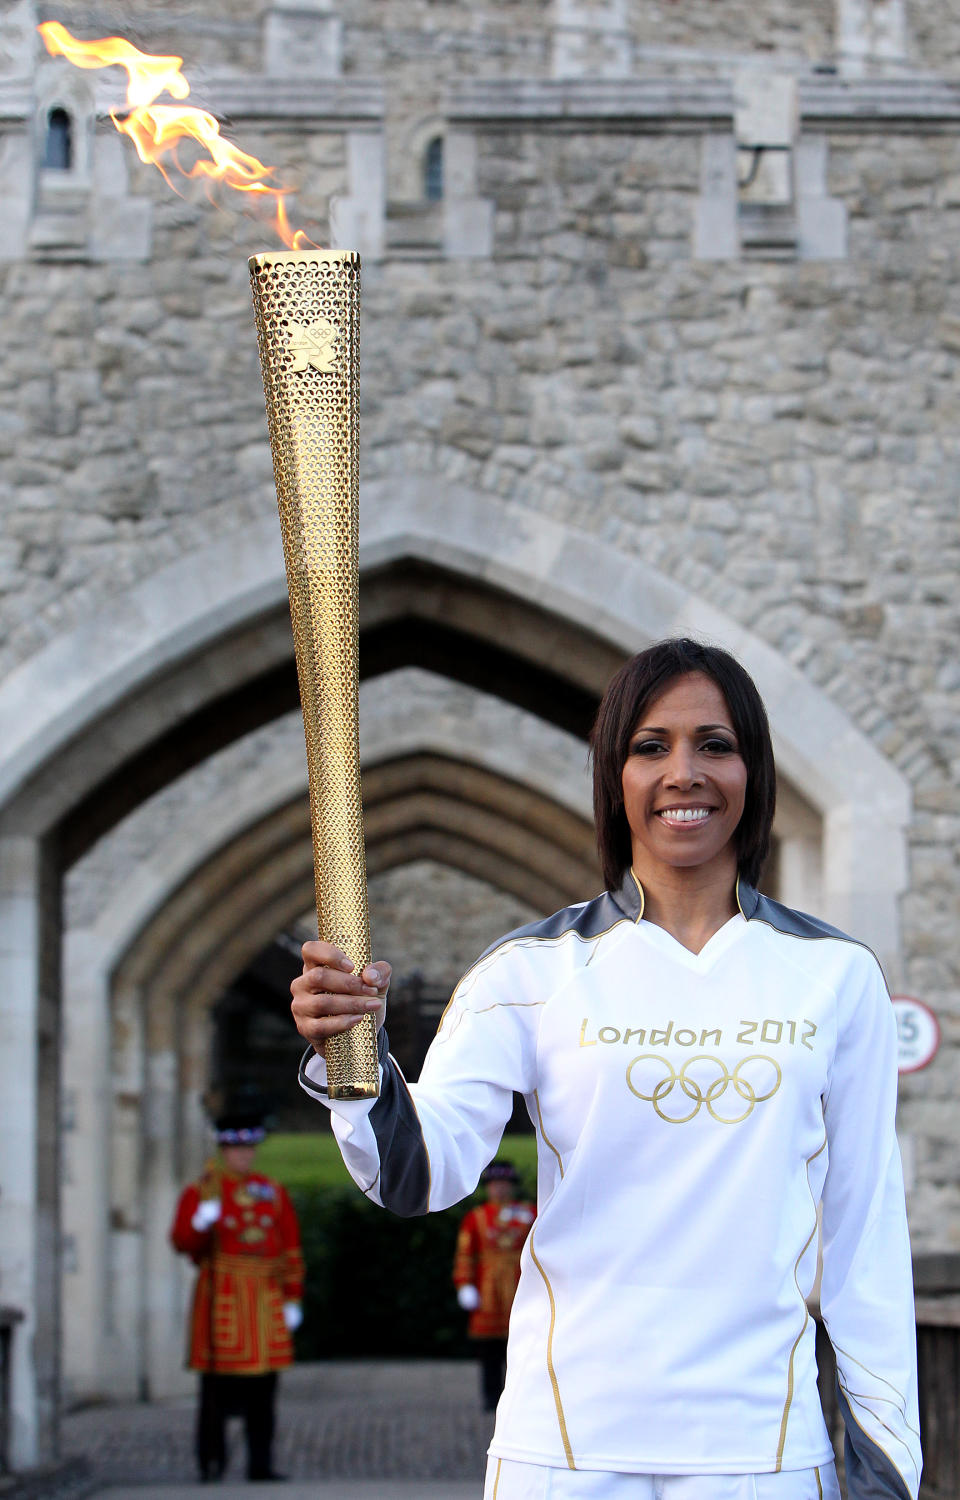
(692, 1111)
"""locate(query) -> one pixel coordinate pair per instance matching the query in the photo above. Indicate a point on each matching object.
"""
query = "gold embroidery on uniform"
(543, 1132)
(263, 1323)
(806, 1313)
(250, 1265)
(819, 1485)
(552, 1372)
(496, 1482)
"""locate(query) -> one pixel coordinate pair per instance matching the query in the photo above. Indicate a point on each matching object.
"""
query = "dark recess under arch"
(407, 628)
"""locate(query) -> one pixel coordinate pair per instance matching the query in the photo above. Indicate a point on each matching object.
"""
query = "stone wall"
(418, 45)
(801, 32)
(133, 423)
(428, 918)
(227, 37)
(934, 28)
(441, 38)
(629, 398)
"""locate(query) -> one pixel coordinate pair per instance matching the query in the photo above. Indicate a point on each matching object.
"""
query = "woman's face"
(684, 781)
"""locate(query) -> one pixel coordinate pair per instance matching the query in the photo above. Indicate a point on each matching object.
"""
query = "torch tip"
(301, 257)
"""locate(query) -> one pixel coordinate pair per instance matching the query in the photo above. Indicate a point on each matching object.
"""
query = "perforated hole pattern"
(307, 313)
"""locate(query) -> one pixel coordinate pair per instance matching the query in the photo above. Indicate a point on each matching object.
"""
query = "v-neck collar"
(711, 951)
(631, 901)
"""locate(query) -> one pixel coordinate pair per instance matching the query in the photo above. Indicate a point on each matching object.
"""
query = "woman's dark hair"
(643, 678)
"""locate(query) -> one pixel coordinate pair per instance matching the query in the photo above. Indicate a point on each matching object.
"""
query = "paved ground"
(388, 1428)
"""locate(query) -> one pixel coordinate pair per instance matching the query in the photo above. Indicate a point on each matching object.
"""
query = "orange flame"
(158, 129)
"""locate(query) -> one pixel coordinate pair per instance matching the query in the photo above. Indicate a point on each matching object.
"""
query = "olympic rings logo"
(712, 1091)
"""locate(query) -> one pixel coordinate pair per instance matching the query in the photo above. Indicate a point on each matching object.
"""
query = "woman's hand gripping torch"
(307, 311)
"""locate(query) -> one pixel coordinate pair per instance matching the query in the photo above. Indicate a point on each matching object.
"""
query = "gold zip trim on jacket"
(568, 1451)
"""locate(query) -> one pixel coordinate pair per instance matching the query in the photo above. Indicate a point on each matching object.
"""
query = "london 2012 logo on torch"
(312, 345)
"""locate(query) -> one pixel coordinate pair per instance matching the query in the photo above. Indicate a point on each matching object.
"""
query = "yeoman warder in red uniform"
(240, 1229)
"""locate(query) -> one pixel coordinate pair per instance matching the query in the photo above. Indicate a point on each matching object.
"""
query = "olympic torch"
(307, 306)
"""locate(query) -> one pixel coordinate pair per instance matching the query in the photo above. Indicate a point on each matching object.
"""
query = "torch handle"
(307, 312)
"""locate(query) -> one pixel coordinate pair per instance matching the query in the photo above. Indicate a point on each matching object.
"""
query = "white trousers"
(507, 1480)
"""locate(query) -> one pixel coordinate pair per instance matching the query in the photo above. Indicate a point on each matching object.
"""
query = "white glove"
(207, 1214)
(292, 1315)
(468, 1297)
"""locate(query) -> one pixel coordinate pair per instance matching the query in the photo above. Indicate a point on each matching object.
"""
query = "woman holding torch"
(705, 1069)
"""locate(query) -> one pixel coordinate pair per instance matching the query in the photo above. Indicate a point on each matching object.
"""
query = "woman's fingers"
(330, 969)
(318, 1029)
(329, 998)
(320, 955)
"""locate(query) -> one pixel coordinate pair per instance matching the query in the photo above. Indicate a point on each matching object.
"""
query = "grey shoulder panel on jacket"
(757, 908)
(588, 919)
(870, 1473)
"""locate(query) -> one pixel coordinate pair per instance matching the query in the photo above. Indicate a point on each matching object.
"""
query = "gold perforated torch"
(307, 306)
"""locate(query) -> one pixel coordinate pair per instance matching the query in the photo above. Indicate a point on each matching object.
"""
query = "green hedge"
(377, 1285)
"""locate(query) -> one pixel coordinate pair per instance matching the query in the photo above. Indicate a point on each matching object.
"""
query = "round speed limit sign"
(918, 1033)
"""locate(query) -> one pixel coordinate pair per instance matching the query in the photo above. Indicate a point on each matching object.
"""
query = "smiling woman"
(741, 725)
(684, 784)
(706, 1071)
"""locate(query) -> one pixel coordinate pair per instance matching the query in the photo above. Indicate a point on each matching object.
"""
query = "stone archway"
(554, 610)
(121, 704)
(459, 814)
(444, 778)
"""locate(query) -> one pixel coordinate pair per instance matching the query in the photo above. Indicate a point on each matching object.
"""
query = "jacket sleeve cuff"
(313, 1071)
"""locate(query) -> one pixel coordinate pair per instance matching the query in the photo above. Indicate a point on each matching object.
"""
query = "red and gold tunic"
(488, 1257)
(250, 1265)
